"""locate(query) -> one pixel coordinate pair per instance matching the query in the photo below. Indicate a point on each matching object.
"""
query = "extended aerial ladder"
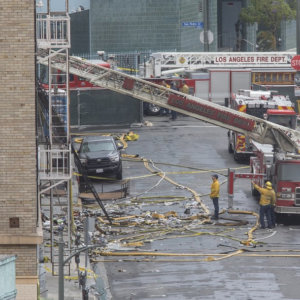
(262, 131)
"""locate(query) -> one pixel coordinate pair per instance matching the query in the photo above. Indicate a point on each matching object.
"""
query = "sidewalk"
(72, 291)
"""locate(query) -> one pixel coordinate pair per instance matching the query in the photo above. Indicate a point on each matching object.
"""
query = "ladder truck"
(263, 104)
(161, 63)
(281, 165)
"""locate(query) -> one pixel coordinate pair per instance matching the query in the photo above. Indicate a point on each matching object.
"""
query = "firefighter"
(267, 198)
(185, 89)
(215, 194)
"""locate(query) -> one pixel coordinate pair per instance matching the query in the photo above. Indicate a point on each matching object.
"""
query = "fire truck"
(280, 163)
(262, 104)
(282, 169)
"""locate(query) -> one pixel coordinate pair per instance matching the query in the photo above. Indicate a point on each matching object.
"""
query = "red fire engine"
(282, 169)
(262, 104)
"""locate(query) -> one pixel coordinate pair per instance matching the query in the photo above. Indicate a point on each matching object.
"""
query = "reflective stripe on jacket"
(215, 189)
(266, 196)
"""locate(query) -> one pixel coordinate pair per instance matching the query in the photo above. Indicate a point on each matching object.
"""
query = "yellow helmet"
(268, 185)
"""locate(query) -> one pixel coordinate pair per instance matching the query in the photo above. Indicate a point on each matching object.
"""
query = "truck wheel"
(119, 174)
(230, 150)
(152, 109)
(236, 156)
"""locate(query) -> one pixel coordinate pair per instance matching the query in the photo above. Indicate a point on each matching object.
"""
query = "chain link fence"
(128, 62)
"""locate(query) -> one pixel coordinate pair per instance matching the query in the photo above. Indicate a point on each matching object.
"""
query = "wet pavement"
(189, 148)
(162, 245)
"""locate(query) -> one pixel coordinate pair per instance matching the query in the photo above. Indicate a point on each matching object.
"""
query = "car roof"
(97, 138)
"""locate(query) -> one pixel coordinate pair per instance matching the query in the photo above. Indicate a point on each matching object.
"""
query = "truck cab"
(262, 104)
(286, 180)
(283, 170)
(284, 117)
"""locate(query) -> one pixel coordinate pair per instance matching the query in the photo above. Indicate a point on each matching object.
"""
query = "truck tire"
(230, 149)
(236, 156)
(119, 174)
(151, 109)
(282, 218)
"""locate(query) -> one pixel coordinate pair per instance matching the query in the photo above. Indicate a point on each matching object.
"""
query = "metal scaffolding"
(54, 152)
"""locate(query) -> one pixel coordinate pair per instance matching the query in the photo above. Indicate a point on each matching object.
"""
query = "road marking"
(195, 126)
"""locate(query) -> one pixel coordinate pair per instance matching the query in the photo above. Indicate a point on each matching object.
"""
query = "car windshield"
(95, 146)
(284, 120)
(289, 172)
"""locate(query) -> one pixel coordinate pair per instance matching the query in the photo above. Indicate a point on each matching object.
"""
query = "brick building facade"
(19, 230)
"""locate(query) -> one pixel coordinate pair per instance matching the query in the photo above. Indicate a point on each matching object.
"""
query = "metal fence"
(128, 62)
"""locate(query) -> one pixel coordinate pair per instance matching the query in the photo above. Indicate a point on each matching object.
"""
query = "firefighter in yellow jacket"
(215, 194)
(267, 198)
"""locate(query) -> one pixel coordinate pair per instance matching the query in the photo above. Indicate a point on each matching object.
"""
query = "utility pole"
(61, 264)
(297, 75)
(205, 25)
(298, 27)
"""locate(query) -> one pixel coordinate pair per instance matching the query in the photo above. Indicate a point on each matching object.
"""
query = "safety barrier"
(54, 164)
(53, 31)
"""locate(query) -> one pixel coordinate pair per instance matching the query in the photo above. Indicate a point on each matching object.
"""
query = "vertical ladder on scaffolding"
(59, 137)
(58, 105)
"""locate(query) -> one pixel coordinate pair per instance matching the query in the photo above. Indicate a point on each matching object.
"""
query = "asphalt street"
(212, 262)
(161, 246)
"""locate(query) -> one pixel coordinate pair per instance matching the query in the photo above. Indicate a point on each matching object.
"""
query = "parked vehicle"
(262, 104)
(151, 109)
(100, 155)
(282, 169)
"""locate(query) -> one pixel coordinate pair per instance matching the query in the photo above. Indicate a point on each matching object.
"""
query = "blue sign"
(193, 24)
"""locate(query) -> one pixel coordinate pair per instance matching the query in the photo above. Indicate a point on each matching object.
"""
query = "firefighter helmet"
(269, 185)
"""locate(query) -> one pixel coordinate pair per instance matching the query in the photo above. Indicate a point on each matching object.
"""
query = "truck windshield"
(95, 146)
(289, 172)
(284, 120)
(256, 112)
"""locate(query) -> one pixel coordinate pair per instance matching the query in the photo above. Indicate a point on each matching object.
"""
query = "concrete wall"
(18, 182)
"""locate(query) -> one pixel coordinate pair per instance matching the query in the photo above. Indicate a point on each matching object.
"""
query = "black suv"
(101, 155)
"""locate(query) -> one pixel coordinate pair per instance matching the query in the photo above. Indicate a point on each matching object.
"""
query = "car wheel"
(152, 110)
